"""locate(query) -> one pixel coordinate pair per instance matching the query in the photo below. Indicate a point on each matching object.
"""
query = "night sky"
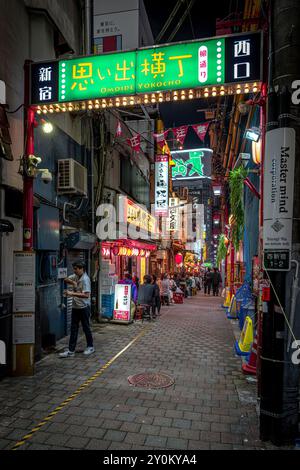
(203, 18)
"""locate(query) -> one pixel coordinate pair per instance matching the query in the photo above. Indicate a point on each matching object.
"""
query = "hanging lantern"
(105, 252)
(115, 251)
(178, 258)
(256, 152)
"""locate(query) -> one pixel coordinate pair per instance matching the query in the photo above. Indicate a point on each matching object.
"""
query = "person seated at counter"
(146, 294)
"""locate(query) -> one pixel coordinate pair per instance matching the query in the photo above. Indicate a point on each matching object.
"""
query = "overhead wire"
(190, 18)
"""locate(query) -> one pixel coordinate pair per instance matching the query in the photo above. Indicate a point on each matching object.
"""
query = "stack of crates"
(107, 306)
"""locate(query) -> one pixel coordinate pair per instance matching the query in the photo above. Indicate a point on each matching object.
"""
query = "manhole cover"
(150, 380)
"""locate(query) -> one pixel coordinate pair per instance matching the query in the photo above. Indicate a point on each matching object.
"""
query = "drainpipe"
(88, 27)
(27, 180)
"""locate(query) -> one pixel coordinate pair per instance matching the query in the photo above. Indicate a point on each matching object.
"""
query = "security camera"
(244, 107)
(34, 161)
(46, 176)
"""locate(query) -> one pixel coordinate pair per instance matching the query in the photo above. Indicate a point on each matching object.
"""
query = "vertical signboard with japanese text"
(44, 83)
(161, 185)
(173, 219)
(122, 302)
(243, 58)
(278, 198)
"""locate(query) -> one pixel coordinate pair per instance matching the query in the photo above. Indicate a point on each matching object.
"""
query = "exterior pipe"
(252, 188)
(27, 180)
(88, 26)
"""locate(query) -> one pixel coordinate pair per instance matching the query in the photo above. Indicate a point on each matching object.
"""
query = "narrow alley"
(88, 403)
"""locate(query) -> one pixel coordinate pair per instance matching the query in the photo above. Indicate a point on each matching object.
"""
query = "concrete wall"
(26, 33)
(127, 18)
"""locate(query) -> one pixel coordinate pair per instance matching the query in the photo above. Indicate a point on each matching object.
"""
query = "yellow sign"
(140, 218)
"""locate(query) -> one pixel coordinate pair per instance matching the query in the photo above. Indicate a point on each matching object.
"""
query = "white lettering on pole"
(296, 93)
(2, 353)
(295, 355)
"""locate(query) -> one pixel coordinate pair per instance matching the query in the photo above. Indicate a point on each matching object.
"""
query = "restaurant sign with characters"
(189, 65)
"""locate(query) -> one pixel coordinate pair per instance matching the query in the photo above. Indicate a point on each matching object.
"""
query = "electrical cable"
(190, 18)
(282, 309)
(16, 110)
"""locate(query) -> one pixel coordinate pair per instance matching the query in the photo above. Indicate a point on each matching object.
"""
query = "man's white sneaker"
(89, 351)
(67, 353)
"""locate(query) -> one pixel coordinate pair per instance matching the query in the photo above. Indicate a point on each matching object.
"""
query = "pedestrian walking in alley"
(157, 302)
(189, 284)
(216, 281)
(207, 281)
(197, 281)
(173, 288)
(81, 309)
(165, 290)
(183, 285)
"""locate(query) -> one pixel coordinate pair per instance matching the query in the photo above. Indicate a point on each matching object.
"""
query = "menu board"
(122, 302)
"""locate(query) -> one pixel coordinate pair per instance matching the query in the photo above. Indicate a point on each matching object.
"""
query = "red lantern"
(115, 251)
(178, 258)
(105, 252)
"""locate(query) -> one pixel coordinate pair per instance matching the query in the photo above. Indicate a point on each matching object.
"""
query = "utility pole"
(279, 375)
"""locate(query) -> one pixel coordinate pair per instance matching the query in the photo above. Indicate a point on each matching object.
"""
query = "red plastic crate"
(178, 298)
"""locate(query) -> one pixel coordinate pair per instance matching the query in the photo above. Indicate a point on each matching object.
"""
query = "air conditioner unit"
(72, 177)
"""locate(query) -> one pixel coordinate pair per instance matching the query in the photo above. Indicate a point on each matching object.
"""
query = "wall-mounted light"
(256, 152)
(253, 134)
(217, 189)
(47, 126)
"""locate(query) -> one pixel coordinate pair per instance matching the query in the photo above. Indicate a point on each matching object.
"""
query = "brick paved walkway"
(210, 406)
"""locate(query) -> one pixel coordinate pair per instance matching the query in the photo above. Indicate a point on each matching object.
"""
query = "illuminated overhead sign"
(162, 73)
(133, 214)
(191, 164)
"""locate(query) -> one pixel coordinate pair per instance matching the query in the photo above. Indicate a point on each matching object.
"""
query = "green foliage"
(222, 249)
(236, 185)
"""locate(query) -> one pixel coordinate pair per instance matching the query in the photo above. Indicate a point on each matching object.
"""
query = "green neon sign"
(97, 76)
(181, 66)
(192, 167)
(147, 70)
(215, 62)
